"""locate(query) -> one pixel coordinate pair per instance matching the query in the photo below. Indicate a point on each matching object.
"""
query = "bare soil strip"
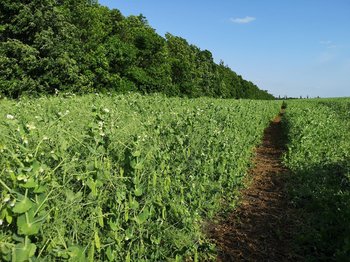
(260, 228)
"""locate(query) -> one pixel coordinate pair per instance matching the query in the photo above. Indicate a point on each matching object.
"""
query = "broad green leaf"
(5, 249)
(138, 191)
(142, 217)
(6, 214)
(134, 204)
(138, 166)
(113, 225)
(129, 233)
(31, 183)
(70, 196)
(27, 224)
(36, 166)
(136, 153)
(76, 254)
(9, 218)
(110, 254)
(40, 189)
(23, 206)
(23, 252)
(90, 166)
(92, 185)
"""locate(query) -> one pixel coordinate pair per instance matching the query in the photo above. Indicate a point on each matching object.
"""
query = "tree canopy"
(80, 46)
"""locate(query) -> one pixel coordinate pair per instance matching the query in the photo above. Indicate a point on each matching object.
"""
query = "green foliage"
(80, 46)
(40, 49)
(318, 154)
(17, 63)
(114, 178)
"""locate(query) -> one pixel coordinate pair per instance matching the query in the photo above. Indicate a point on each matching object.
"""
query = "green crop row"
(120, 178)
(319, 157)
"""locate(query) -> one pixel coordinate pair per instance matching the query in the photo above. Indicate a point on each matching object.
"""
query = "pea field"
(319, 157)
(120, 178)
(135, 178)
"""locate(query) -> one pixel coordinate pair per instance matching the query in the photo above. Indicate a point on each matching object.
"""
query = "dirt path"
(260, 229)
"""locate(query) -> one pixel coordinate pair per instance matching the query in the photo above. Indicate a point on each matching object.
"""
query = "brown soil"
(260, 228)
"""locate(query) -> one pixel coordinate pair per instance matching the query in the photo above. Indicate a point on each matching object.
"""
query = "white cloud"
(325, 42)
(332, 46)
(328, 44)
(244, 20)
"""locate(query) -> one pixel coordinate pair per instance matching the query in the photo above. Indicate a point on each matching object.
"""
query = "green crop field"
(135, 178)
(319, 157)
(121, 140)
(126, 178)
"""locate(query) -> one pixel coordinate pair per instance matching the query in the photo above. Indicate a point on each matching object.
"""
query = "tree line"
(79, 46)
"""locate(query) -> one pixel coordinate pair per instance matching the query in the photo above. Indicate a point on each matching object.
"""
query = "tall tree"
(80, 46)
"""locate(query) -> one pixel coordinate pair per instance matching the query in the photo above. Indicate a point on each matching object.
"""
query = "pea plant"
(318, 155)
(122, 177)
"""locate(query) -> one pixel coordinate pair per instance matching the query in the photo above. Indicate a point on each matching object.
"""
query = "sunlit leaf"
(28, 225)
(138, 191)
(143, 216)
(23, 206)
(76, 253)
(23, 252)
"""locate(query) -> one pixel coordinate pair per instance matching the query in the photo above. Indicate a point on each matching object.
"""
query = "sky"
(289, 47)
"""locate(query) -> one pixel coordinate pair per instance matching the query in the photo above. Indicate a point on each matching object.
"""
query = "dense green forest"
(50, 46)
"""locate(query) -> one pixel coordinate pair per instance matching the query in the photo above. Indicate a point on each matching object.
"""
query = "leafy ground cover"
(129, 178)
(261, 227)
(319, 156)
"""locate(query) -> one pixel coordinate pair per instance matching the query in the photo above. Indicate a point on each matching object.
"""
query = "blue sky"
(288, 47)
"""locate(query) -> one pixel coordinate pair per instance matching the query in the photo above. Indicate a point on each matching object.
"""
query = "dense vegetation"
(319, 156)
(132, 180)
(48, 46)
(131, 177)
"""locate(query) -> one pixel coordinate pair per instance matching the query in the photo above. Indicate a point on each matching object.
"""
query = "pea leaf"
(36, 166)
(6, 214)
(142, 217)
(129, 233)
(136, 153)
(138, 191)
(23, 206)
(134, 204)
(76, 254)
(28, 225)
(40, 189)
(31, 183)
(23, 252)
(110, 254)
(92, 185)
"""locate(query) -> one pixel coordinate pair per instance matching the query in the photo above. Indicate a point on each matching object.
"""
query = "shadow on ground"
(321, 196)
